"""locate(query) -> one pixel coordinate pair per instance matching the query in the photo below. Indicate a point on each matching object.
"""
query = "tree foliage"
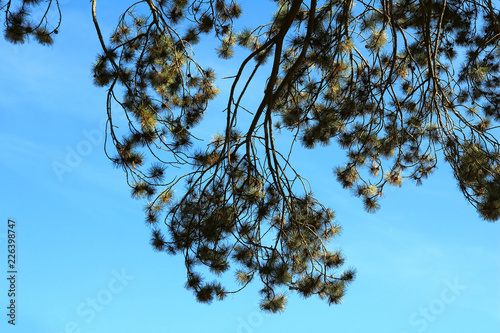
(396, 84)
(20, 25)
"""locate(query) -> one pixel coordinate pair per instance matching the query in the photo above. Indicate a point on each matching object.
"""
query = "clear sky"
(425, 261)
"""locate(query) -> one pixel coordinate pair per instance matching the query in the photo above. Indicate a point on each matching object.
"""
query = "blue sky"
(425, 261)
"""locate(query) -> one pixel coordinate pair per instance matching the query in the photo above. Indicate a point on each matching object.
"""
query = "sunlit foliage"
(396, 84)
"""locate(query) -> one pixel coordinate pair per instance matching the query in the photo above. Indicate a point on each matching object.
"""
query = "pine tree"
(396, 84)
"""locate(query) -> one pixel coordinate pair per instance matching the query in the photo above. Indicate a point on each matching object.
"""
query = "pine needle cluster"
(20, 25)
